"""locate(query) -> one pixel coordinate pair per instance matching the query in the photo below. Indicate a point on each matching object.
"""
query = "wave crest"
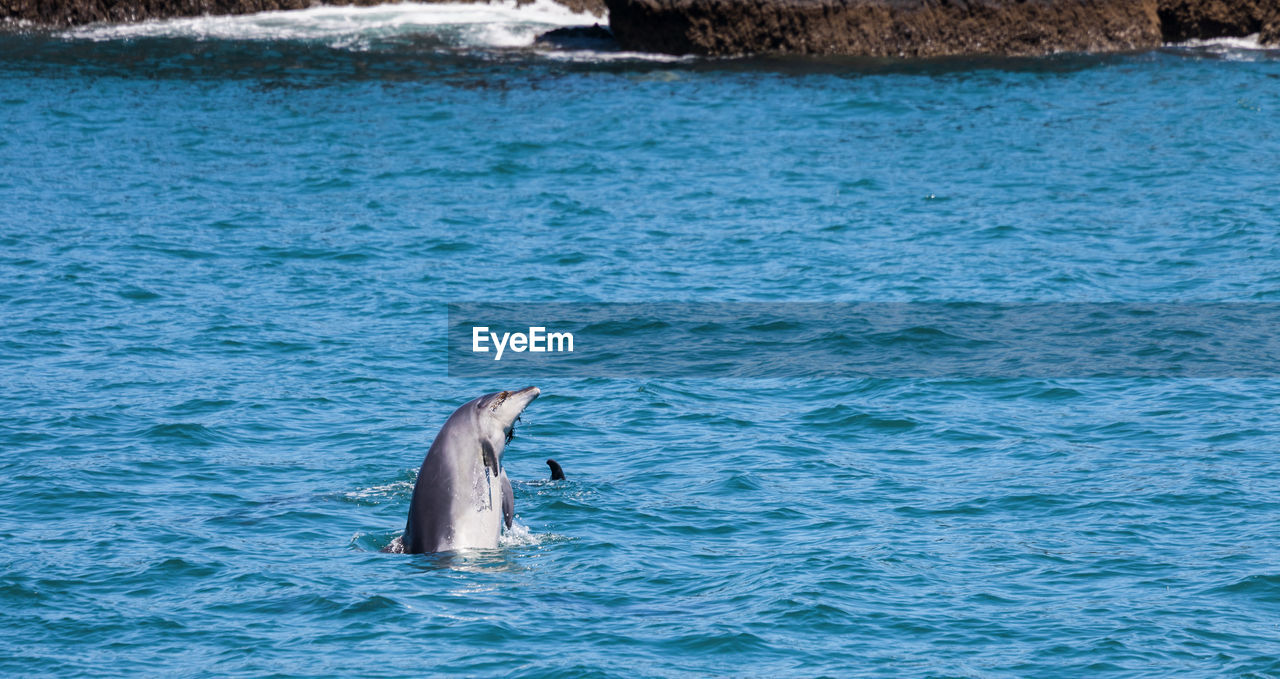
(459, 25)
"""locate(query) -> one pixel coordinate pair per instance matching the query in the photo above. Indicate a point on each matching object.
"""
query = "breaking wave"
(463, 25)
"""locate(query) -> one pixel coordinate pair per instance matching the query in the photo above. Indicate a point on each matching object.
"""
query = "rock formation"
(578, 38)
(924, 28)
(882, 28)
(1186, 19)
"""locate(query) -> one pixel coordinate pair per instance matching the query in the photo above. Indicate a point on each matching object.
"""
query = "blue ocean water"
(226, 247)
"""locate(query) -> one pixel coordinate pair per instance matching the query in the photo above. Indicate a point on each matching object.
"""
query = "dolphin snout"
(509, 407)
(523, 397)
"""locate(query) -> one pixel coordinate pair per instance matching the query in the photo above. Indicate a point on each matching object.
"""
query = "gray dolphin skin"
(462, 496)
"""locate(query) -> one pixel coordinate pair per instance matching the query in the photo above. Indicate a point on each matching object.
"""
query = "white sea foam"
(475, 25)
(1248, 42)
(518, 535)
(382, 492)
(1247, 48)
(592, 56)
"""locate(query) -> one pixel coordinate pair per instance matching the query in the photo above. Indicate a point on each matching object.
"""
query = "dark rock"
(1182, 20)
(925, 28)
(596, 38)
(74, 12)
(916, 28)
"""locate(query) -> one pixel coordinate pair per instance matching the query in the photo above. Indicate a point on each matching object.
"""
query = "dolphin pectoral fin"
(508, 501)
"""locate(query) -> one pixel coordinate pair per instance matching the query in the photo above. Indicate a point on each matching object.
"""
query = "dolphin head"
(497, 413)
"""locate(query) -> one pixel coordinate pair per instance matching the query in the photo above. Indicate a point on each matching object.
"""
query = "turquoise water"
(226, 248)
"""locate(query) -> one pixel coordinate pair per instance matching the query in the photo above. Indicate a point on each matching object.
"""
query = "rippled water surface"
(226, 246)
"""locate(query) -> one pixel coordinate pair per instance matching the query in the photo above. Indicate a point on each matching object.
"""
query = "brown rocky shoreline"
(877, 28)
(929, 28)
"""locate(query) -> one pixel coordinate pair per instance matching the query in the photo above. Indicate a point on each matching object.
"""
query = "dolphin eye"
(498, 399)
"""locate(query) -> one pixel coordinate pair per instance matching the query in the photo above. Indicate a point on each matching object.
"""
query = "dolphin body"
(462, 496)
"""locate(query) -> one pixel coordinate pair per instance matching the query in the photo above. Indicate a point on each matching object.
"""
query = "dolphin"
(557, 474)
(462, 496)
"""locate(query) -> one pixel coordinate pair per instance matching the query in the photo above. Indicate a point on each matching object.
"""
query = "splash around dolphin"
(462, 497)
